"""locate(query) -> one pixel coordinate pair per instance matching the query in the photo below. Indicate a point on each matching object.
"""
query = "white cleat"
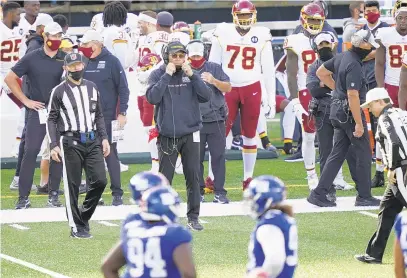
(312, 181)
(124, 168)
(14, 185)
(341, 184)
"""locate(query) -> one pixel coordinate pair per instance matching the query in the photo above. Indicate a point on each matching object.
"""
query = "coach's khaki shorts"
(45, 151)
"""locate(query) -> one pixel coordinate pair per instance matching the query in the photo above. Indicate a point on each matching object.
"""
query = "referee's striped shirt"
(392, 135)
(74, 108)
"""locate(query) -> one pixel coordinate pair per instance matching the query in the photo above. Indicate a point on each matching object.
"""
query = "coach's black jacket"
(176, 99)
(64, 108)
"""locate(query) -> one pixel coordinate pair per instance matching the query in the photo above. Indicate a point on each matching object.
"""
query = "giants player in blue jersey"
(400, 245)
(152, 243)
(274, 242)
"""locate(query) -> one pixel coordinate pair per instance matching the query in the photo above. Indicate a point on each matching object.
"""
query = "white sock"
(249, 154)
(16, 178)
(289, 121)
(210, 173)
(308, 150)
(262, 123)
(379, 159)
(21, 123)
(153, 150)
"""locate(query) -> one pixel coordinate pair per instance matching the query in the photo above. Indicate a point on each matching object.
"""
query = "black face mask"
(325, 54)
(362, 53)
(76, 75)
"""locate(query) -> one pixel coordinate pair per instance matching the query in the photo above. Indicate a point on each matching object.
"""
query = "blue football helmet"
(263, 192)
(144, 180)
(160, 203)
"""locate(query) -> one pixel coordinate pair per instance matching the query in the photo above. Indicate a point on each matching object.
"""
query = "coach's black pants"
(214, 134)
(391, 205)
(359, 162)
(78, 156)
(168, 149)
(34, 135)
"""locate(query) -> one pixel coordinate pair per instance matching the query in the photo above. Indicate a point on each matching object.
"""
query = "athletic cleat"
(272, 149)
(14, 185)
(378, 179)
(101, 202)
(288, 148)
(237, 143)
(246, 183)
(81, 234)
(117, 201)
(221, 199)
(23, 203)
(341, 184)
(123, 167)
(194, 225)
(202, 199)
(312, 181)
(296, 157)
(53, 201)
(209, 185)
(367, 259)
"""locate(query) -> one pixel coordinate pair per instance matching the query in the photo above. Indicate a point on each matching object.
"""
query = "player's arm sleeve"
(271, 239)
(120, 81)
(269, 73)
(215, 55)
(54, 108)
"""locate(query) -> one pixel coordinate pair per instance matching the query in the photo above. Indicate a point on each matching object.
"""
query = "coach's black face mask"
(325, 54)
(361, 52)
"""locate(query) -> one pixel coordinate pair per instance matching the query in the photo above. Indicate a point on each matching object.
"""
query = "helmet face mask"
(397, 6)
(312, 18)
(244, 14)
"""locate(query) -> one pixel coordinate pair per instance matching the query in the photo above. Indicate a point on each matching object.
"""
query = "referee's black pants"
(78, 156)
(168, 149)
(391, 205)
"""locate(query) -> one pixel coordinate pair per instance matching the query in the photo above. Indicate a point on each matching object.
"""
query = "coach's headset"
(357, 39)
(314, 45)
(165, 53)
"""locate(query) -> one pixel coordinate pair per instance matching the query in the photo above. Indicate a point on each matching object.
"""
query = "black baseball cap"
(73, 58)
(176, 46)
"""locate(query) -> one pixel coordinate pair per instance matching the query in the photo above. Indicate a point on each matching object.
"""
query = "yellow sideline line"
(127, 192)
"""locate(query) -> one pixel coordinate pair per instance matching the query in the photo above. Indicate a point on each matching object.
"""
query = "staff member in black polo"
(214, 113)
(349, 90)
(75, 113)
(176, 92)
(106, 71)
(43, 72)
(391, 135)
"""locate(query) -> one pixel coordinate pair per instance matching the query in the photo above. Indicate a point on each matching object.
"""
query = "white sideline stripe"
(108, 224)
(32, 266)
(109, 213)
(368, 214)
(20, 227)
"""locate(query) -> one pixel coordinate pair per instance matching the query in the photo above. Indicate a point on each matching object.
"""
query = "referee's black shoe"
(82, 234)
(23, 203)
(367, 259)
(194, 225)
(53, 200)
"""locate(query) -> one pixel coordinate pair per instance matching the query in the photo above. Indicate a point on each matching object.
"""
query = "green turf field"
(327, 241)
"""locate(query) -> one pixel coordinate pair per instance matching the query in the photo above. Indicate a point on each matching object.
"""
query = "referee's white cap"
(375, 94)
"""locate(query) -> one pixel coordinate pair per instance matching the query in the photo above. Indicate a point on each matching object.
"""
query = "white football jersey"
(119, 43)
(396, 46)
(9, 51)
(152, 43)
(242, 57)
(23, 29)
(131, 26)
(301, 45)
(179, 36)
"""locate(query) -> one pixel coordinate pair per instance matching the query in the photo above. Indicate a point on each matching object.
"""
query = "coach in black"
(75, 114)
(176, 92)
(214, 113)
(350, 129)
(44, 71)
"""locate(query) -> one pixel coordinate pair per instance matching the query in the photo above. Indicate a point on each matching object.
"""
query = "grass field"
(327, 241)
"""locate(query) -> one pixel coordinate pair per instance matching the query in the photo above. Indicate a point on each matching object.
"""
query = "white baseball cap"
(43, 20)
(195, 49)
(375, 94)
(91, 35)
(53, 28)
(363, 35)
(324, 37)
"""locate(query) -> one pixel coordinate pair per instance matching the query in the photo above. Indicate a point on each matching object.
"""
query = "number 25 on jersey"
(9, 50)
(248, 55)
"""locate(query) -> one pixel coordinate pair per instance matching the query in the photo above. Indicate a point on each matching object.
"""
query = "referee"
(75, 115)
(391, 135)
